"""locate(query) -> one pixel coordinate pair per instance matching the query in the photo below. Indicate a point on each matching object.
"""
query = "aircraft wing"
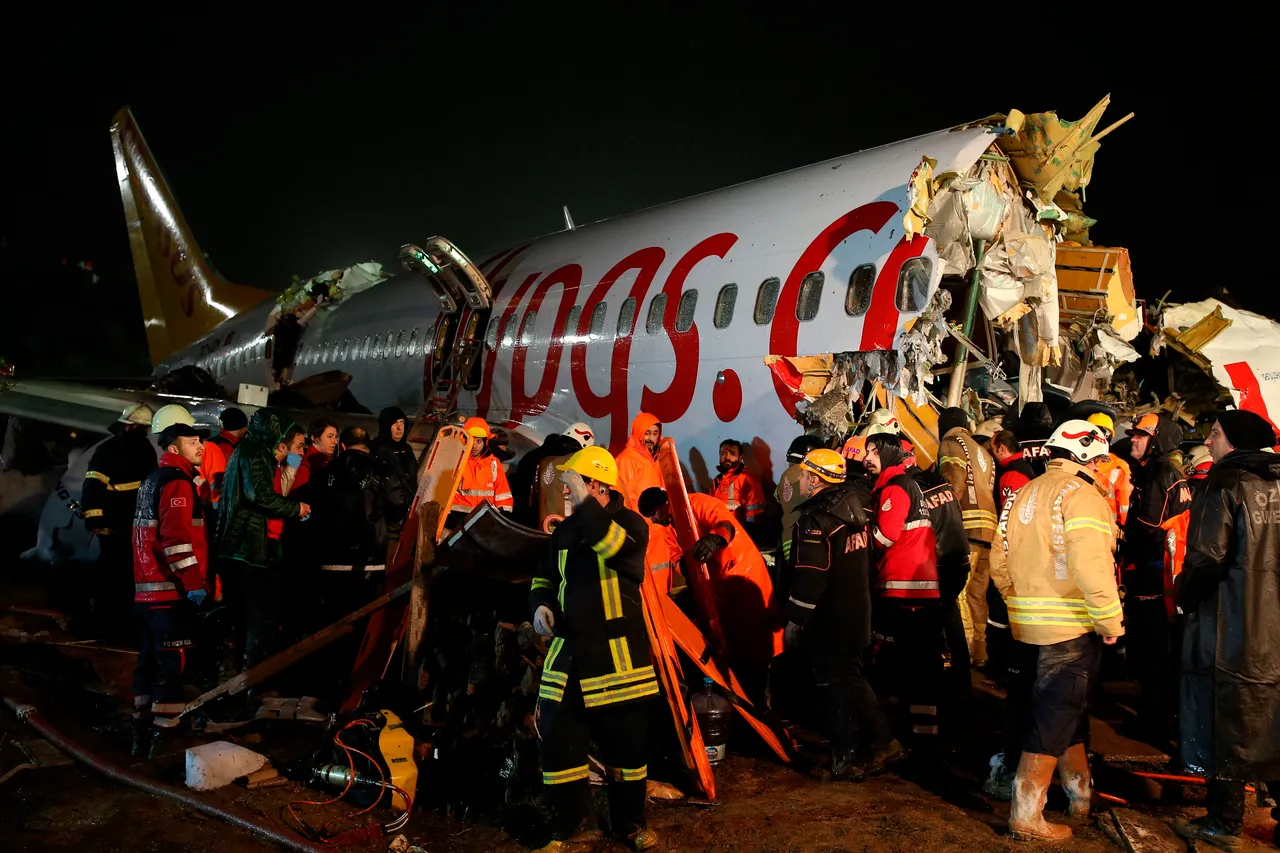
(80, 406)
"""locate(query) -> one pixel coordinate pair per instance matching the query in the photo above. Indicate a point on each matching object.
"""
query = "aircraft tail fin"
(182, 298)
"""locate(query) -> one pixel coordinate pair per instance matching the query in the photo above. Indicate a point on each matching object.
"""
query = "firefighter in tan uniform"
(1053, 562)
(787, 492)
(971, 472)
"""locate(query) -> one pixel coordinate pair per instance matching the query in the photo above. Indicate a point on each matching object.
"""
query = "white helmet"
(167, 416)
(1083, 440)
(136, 413)
(882, 421)
(583, 433)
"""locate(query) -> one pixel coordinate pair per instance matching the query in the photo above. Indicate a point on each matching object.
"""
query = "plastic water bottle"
(713, 712)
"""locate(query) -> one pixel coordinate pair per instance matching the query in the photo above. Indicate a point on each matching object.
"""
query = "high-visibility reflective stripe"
(803, 604)
(915, 525)
(661, 567)
(909, 585)
(551, 691)
(786, 549)
(881, 538)
(612, 542)
(616, 679)
(622, 694)
(1089, 524)
(996, 624)
(621, 652)
(627, 774)
(182, 564)
(336, 567)
(178, 549)
(1060, 612)
(476, 493)
(1106, 612)
(167, 707)
(750, 507)
(953, 460)
(550, 676)
(924, 730)
(93, 513)
(564, 556)
(557, 643)
(160, 586)
(560, 777)
(540, 583)
(610, 592)
(126, 487)
(96, 475)
(505, 496)
(198, 522)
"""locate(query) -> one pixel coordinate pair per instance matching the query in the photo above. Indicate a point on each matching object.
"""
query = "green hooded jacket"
(249, 496)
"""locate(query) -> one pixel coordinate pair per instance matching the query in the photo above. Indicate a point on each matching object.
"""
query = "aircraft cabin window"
(344, 349)
(571, 324)
(491, 336)
(258, 349)
(653, 323)
(627, 317)
(526, 328)
(509, 331)
(810, 297)
(413, 342)
(400, 344)
(684, 312)
(723, 315)
(913, 285)
(386, 344)
(858, 298)
(475, 375)
(270, 349)
(597, 321)
(766, 301)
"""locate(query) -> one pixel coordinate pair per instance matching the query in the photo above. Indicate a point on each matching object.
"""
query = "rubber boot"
(999, 784)
(1073, 773)
(1030, 790)
(1211, 832)
(140, 742)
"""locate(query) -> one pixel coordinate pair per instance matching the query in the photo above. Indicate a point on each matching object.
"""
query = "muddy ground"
(933, 805)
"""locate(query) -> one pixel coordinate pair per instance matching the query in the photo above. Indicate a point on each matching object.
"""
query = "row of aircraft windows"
(913, 287)
(394, 344)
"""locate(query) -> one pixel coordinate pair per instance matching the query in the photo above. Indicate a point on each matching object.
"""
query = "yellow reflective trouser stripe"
(1089, 524)
(786, 549)
(540, 583)
(560, 777)
(548, 665)
(125, 487)
(621, 654)
(610, 591)
(95, 475)
(627, 774)
(979, 519)
(622, 694)
(617, 679)
(1107, 612)
(564, 556)
(550, 691)
(612, 542)
(1061, 612)
(93, 513)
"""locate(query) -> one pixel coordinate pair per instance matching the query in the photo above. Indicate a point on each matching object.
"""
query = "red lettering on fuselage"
(568, 277)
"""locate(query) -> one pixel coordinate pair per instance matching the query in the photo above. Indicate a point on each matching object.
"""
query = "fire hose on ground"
(28, 714)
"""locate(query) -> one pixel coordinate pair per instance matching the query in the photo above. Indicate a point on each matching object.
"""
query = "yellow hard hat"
(1103, 420)
(594, 463)
(827, 464)
(167, 416)
(478, 427)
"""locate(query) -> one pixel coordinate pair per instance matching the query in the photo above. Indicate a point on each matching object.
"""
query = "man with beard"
(739, 490)
(638, 462)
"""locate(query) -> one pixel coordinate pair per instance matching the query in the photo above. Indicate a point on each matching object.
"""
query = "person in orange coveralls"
(638, 461)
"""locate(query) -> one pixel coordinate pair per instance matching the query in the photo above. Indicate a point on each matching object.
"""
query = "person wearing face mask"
(392, 440)
(170, 577)
(638, 462)
(829, 616)
(736, 488)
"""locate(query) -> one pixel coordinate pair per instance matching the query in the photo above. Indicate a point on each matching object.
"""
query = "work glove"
(791, 636)
(197, 596)
(576, 488)
(705, 548)
(544, 621)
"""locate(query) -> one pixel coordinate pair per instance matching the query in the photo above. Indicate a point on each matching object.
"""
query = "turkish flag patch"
(178, 502)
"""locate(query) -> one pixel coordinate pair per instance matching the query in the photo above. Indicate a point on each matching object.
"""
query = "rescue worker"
(882, 421)
(1199, 462)
(249, 558)
(638, 462)
(597, 675)
(1230, 686)
(116, 471)
(392, 440)
(170, 574)
(742, 587)
(829, 616)
(736, 488)
(787, 492)
(907, 620)
(1035, 425)
(662, 557)
(217, 451)
(1013, 472)
(1160, 493)
(970, 470)
(483, 477)
(1114, 472)
(1053, 563)
(526, 482)
(952, 549)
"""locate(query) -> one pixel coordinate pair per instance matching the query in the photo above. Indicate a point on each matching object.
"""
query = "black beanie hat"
(1247, 430)
(650, 499)
(234, 419)
(951, 418)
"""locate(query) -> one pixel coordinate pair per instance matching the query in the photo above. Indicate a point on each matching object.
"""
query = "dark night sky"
(311, 145)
